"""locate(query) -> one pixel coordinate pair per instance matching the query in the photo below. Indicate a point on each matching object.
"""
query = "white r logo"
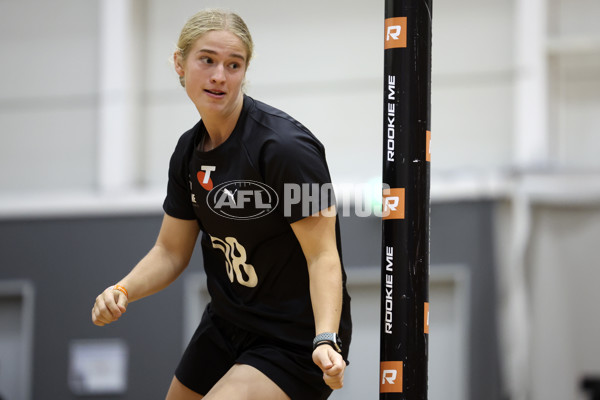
(394, 32)
(390, 203)
(389, 375)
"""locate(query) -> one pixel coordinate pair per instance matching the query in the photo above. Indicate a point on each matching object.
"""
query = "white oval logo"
(242, 199)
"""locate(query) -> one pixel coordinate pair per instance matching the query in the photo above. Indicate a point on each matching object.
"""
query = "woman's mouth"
(214, 92)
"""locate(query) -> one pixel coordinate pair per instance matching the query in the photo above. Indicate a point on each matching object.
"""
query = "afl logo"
(242, 200)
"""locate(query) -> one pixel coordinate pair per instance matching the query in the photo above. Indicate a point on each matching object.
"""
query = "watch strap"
(330, 338)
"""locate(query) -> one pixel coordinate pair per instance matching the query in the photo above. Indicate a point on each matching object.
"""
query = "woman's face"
(214, 72)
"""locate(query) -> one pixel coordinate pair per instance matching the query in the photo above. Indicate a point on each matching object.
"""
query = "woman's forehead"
(221, 42)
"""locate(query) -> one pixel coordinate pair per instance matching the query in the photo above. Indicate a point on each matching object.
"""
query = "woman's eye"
(206, 60)
(234, 65)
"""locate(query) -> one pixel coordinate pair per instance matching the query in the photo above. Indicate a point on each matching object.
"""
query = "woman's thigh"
(244, 382)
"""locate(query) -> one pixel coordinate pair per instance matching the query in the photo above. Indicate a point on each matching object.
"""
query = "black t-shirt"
(245, 194)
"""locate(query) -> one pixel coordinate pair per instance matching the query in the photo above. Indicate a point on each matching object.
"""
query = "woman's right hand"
(109, 306)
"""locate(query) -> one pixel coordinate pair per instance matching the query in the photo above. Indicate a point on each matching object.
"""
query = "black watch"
(330, 338)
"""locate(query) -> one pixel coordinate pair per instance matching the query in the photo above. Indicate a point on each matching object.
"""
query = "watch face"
(338, 342)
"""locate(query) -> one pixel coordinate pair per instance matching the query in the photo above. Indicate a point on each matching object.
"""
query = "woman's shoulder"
(278, 127)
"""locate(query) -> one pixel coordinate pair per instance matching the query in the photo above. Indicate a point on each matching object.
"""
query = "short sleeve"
(178, 203)
(295, 167)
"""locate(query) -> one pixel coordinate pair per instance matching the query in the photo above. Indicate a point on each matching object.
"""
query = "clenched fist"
(332, 364)
(109, 306)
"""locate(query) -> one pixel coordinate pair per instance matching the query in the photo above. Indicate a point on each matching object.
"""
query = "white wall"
(323, 67)
(48, 78)
(574, 60)
(473, 74)
(320, 61)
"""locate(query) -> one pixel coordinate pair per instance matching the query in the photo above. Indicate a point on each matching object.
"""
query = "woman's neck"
(220, 127)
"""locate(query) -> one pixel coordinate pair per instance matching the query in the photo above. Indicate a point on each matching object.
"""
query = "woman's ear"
(178, 61)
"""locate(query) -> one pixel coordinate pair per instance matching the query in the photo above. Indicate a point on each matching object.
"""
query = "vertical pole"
(405, 221)
(531, 138)
(119, 110)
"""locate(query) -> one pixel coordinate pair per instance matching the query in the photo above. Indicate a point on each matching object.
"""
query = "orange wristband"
(120, 289)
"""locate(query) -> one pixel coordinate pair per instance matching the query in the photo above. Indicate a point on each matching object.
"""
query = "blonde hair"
(213, 20)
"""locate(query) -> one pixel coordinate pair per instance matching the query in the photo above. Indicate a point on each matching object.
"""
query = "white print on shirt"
(203, 176)
(192, 193)
(207, 170)
(235, 261)
(230, 194)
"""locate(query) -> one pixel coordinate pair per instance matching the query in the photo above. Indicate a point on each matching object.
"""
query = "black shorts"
(218, 344)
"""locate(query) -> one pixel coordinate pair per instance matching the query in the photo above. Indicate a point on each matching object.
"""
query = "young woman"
(249, 177)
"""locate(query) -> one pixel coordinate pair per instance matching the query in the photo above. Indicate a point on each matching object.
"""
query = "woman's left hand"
(332, 364)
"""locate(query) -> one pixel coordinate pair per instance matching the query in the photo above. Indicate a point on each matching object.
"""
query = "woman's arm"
(166, 260)
(317, 238)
